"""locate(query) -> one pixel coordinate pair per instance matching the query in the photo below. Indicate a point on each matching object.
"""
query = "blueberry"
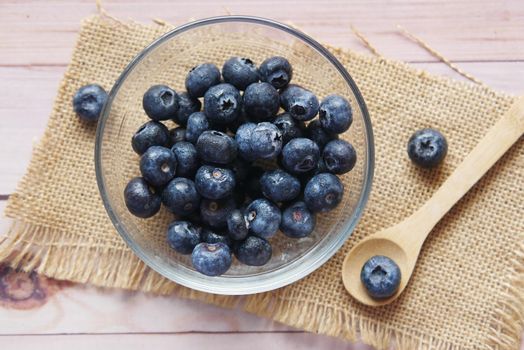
(197, 123)
(237, 225)
(186, 106)
(266, 141)
(263, 218)
(160, 102)
(177, 135)
(89, 101)
(150, 134)
(181, 197)
(381, 276)
(277, 71)
(427, 148)
(261, 101)
(140, 199)
(279, 186)
(339, 156)
(183, 236)
(300, 155)
(187, 159)
(301, 103)
(335, 114)
(211, 259)
(214, 183)
(243, 139)
(215, 212)
(201, 78)
(240, 72)
(253, 251)
(216, 147)
(209, 236)
(318, 134)
(158, 165)
(323, 192)
(297, 221)
(252, 184)
(222, 103)
(289, 127)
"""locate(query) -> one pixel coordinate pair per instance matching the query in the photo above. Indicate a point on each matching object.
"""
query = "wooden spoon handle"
(486, 153)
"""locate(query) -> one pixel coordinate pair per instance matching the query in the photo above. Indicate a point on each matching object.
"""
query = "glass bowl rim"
(262, 284)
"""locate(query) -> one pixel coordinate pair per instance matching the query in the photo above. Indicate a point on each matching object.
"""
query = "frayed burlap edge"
(20, 248)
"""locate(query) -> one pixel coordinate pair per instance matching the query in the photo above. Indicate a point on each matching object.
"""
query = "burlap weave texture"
(467, 291)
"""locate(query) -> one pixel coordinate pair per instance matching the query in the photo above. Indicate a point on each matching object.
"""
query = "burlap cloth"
(467, 291)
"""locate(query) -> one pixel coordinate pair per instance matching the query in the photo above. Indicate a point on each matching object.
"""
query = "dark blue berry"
(197, 123)
(201, 78)
(181, 197)
(297, 221)
(289, 127)
(211, 259)
(183, 236)
(160, 102)
(141, 200)
(89, 101)
(277, 71)
(279, 186)
(158, 165)
(261, 102)
(381, 276)
(177, 135)
(222, 103)
(317, 134)
(214, 183)
(263, 218)
(186, 106)
(427, 148)
(237, 225)
(215, 212)
(335, 114)
(150, 134)
(301, 103)
(339, 156)
(243, 139)
(216, 147)
(187, 159)
(209, 236)
(300, 155)
(266, 141)
(240, 72)
(253, 251)
(323, 192)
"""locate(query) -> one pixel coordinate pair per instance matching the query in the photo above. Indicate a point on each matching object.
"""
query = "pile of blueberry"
(238, 171)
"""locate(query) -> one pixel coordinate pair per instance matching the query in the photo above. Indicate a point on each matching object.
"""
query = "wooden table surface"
(484, 38)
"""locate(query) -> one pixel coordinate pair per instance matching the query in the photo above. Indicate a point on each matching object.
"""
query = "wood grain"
(36, 40)
(471, 30)
(253, 341)
(21, 127)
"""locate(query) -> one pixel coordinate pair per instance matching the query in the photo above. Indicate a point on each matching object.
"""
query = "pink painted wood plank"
(23, 114)
(252, 341)
(42, 33)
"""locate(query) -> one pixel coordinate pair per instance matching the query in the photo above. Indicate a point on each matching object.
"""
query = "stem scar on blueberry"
(252, 215)
(217, 174)
(165, 167)
(298, 110)
(227, 104)
(279, 79)
(247, 61)
(213, 206)
(167, 97)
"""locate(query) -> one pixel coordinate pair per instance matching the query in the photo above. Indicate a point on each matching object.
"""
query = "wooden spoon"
(403, 242)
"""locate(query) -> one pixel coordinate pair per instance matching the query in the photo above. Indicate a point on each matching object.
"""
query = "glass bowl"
(167, 61)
